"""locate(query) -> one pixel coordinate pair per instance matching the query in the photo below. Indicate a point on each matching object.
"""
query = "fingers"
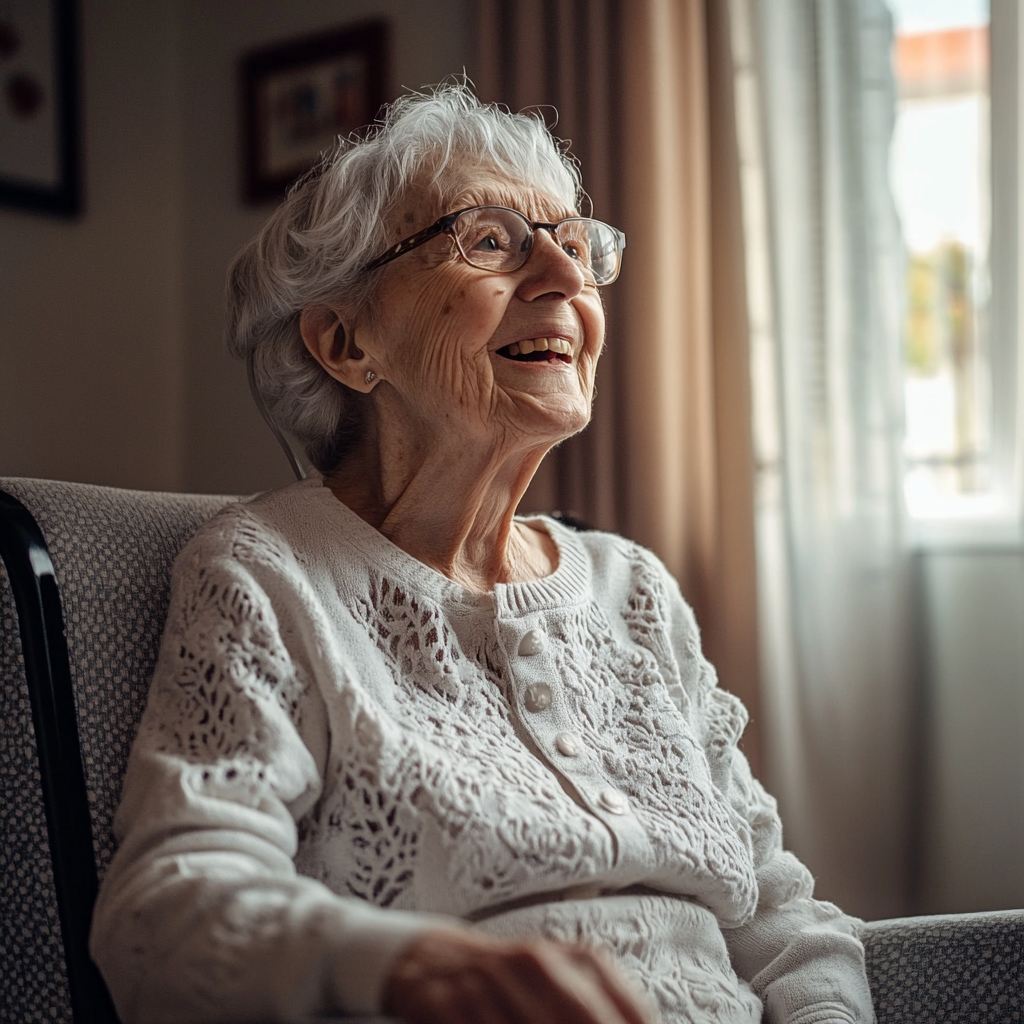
(464, 999)
(436, 981)
(467, 978)
(633, 1004)
(589, 987)
(541, 984)
(481, 1001)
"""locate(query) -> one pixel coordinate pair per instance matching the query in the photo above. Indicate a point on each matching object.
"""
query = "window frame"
(995, 518)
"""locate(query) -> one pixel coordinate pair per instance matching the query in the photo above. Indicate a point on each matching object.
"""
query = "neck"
(449, 503)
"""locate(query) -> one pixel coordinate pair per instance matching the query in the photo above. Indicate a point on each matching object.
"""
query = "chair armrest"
(957, 967)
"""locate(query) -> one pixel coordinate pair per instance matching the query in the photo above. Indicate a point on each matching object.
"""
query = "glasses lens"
(492, 238)
(594, 244)
(496, 239)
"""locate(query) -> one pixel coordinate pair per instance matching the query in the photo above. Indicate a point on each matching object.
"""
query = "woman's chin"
(549, 401)
(551, 418)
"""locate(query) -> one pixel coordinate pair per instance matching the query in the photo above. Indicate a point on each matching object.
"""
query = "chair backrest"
(951, 967)
(112, 552)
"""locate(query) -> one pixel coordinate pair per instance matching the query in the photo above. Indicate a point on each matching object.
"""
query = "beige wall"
(90, 324)
(112, 368)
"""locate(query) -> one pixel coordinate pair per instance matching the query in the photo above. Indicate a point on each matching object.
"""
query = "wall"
(112, 368)
(90, 324)
(973, 849)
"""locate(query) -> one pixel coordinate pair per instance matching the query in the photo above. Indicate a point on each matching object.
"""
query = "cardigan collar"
(569, 584)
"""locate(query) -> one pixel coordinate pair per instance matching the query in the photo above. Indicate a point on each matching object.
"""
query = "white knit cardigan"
(342, 748)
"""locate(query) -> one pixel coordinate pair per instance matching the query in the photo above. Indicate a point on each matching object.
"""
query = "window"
(953, 172)
(941, 180)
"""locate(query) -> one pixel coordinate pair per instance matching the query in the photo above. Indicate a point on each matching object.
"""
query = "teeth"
(524, 348)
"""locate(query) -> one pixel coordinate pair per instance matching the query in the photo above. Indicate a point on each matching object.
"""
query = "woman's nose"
(550, 270)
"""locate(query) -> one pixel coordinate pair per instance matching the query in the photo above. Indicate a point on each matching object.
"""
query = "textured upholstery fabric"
(112, 552)
(961, 968)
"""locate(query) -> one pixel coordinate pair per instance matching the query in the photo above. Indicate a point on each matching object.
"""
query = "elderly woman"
(405, 751)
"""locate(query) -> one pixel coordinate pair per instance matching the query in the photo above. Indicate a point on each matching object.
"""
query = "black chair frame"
(55, 719)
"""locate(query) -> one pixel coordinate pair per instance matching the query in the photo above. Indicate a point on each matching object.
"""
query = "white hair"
(334, 221)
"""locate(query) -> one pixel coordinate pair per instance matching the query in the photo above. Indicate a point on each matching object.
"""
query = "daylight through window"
(940, 175)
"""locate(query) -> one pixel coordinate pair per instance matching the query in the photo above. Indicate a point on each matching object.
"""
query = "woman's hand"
(450, 977)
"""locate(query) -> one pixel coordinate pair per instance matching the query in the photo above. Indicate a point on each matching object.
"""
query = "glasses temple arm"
(401, 248)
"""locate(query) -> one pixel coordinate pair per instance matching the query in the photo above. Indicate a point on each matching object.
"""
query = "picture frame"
(299, 96)
(39, 130)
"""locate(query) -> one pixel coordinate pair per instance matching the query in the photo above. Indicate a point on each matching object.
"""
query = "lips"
(535, 350)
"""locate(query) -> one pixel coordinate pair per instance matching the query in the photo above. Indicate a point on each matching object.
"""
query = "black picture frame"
(40, 166)
(297, 97)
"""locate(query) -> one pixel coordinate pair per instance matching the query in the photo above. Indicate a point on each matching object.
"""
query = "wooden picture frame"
(39, 133)
(298, 97)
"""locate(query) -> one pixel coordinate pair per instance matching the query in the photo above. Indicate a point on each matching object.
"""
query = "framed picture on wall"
(300, 96)
(39, 106)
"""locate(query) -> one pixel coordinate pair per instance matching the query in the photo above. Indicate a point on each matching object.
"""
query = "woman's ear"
(332, 345)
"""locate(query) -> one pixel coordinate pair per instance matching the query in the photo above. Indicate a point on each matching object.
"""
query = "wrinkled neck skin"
(448, 499)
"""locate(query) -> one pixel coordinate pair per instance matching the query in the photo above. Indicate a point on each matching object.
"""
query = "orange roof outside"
(958, 55)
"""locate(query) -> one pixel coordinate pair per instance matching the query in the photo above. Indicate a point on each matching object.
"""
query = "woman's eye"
(490, 241)
(574, 249)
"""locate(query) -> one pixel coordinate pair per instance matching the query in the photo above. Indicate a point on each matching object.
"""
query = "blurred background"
(809, 404)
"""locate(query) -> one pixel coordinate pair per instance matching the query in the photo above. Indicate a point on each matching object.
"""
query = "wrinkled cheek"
(593, 323)
(476, 310)
(452, 377)
(587, 373)
(442, 374)
(457, 352)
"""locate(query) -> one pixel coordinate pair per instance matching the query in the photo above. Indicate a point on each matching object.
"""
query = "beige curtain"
(643, 90)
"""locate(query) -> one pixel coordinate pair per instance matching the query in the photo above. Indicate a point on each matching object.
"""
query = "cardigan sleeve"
(801, 956)
(202, 915)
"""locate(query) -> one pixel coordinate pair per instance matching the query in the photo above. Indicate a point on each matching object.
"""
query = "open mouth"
(538, 350)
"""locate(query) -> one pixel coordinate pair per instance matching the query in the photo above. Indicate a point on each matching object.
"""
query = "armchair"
(80, 624)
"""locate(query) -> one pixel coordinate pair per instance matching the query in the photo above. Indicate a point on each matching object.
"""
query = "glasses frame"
(445, 225)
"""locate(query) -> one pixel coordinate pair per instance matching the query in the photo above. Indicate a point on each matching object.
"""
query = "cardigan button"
(613, 801)
(533, 642)
(567, 744)
(537, 697)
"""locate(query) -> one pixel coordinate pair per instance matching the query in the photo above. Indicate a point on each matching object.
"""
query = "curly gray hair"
(334, 221)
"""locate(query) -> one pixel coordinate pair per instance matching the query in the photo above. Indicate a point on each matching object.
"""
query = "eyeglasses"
(500, 240)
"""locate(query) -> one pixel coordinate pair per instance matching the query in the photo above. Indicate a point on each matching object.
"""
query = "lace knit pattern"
(436, 745)
(309, 664)
(439, 741)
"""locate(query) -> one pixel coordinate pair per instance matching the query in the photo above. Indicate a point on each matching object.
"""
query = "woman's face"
(443, 329)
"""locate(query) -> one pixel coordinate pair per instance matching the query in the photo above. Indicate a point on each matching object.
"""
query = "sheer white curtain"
(815, 104)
